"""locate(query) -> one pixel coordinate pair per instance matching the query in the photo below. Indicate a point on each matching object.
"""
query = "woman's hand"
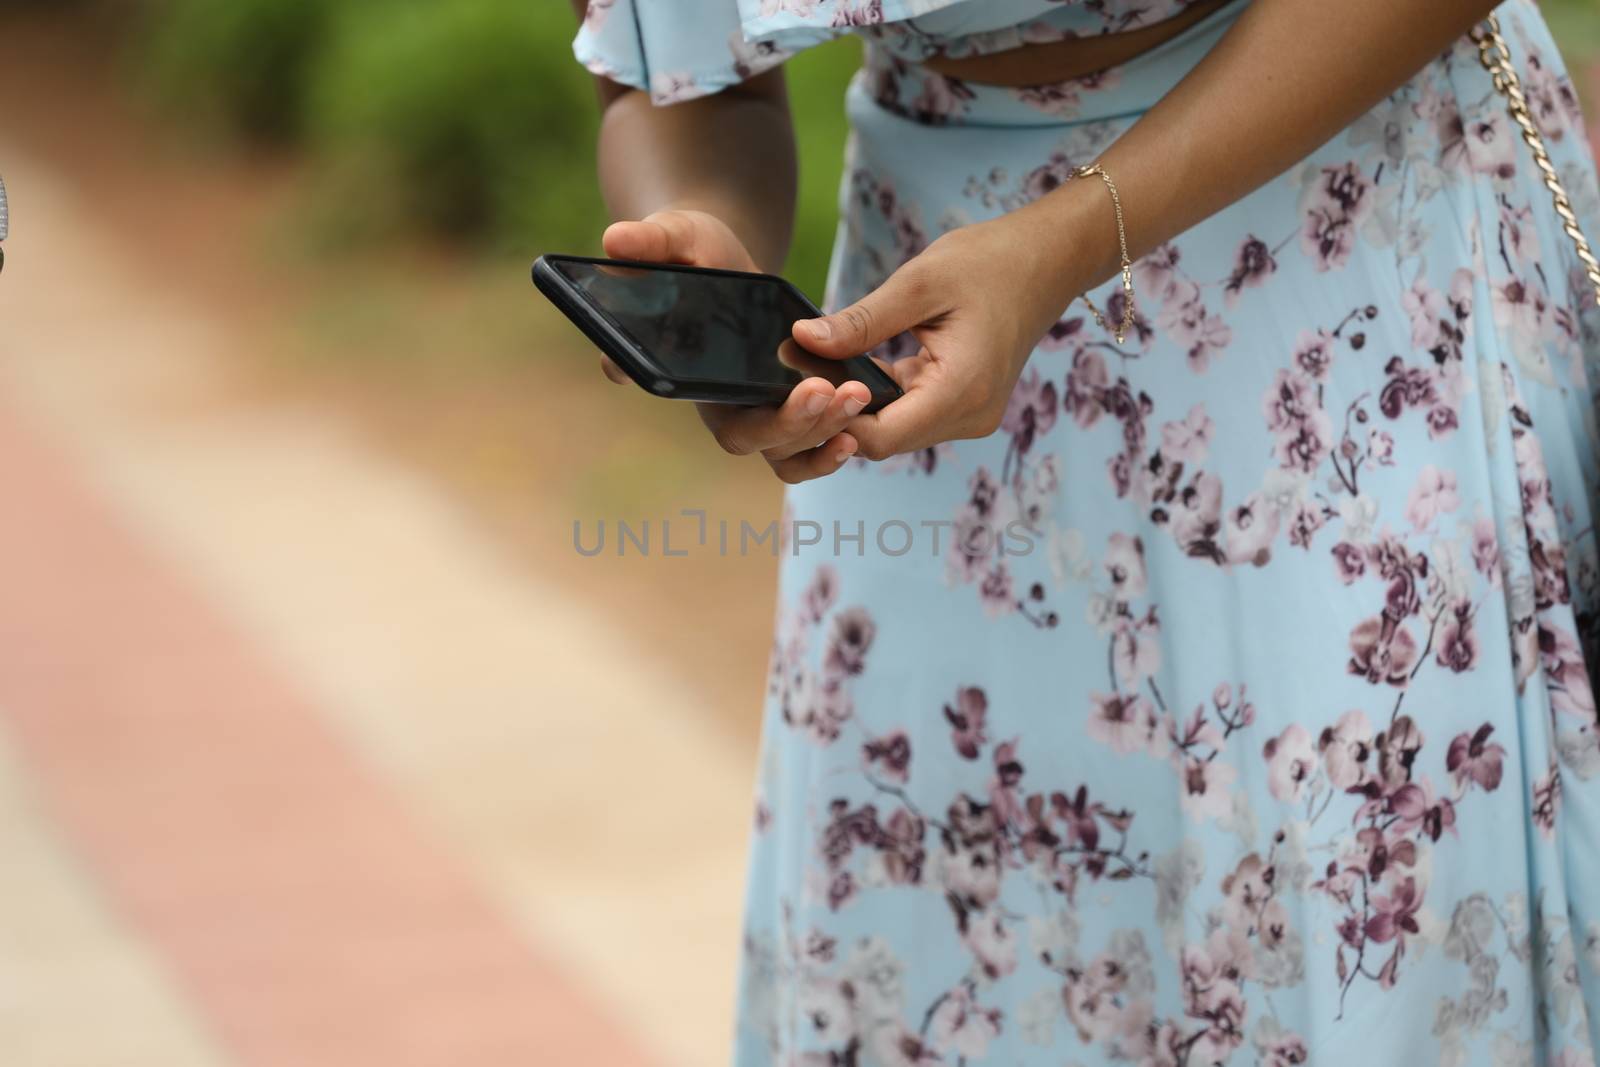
(803, 438)
(977, 300)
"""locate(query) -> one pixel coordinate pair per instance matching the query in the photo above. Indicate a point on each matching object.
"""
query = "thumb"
(894, 307)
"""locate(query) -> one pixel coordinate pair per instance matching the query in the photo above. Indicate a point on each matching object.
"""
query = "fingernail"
(853, 406)
(820, 328)
(843, 454)
(815, 403)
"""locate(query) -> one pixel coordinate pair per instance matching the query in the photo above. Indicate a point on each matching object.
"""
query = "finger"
(847, 403)
(902, 302)
(816, 462)
(912, 420)
(646, 240)
(612, 371)
(662, 237)
(743, 430)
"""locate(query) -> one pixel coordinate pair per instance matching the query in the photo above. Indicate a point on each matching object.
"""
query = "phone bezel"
(639, 365)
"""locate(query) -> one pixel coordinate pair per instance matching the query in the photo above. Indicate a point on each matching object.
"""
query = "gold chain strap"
(1121, 331)
(1496, 58)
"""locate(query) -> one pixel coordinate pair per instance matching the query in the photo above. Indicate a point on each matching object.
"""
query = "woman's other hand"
(977, 300)
(802, 439)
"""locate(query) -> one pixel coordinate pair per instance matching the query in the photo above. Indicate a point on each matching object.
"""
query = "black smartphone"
(693, 333)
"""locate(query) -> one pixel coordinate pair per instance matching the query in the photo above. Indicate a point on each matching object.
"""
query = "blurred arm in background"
(730, 155)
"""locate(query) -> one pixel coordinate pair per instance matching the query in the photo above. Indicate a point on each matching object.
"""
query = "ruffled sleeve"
(680, 49)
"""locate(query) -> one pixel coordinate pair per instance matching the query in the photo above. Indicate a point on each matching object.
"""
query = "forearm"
(731, 155)
(1284, 79)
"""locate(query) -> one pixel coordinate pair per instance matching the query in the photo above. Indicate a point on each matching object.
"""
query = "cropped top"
(680, 49)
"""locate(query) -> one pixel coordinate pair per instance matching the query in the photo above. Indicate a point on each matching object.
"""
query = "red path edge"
(309, 918)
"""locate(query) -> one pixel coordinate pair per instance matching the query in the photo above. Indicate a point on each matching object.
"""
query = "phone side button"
(662, 388)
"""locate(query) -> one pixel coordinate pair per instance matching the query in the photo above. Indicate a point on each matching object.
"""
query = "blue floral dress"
(1232, 703)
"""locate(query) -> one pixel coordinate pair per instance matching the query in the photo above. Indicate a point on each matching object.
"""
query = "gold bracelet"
(1121, 331)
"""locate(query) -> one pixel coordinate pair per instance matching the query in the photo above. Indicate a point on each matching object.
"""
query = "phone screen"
(708, 327)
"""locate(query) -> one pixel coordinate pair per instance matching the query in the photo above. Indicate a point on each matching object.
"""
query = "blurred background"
(319, 743)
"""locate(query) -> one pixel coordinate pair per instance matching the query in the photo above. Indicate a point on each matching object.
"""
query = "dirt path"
(539, 749)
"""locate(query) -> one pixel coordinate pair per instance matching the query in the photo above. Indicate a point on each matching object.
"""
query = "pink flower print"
(1395, 914)
(1416, 807)
(1284, 1049)
(1380, 447)
(1119, 720)
(672, 87)
(1077, 818)
(1486, 550)
(853, 631)
(1551, 98)
(1424, 305)
(1382, 650)
(1246, 890)
(1291, 763)
(1290, 400)
(1519, 233)
(1345, 747)
(1414, 387)
(1061, 99)
(941, 99)
(1248, 531)
(972, 543)
(1136, 649)
(1031, 410)
(967, 718)
(826, 1007)
(961, 1028)
(992, 944)
(1522, 307)
(898, 1047)
(1474, 758)
(1304, 523)
(996, 591)
(1547, 801)
(1433, 494)
(1452, 135)
(1349, 561)
(1562, 657)
(1084, 397)
(1008, 807)
(1345, 191)
(1196, 518)
(1193, 327)
(1442, 421)
(1305, 445)
(1157, 273)
(1125, 564)
(1094, 999)
(1335, 206)
(1253, 265)
(1187, 440)
(1205, 787)
(820, 593)
(1397, 749)
(1491, 145)
(1458, 643)
(889, 756)
(1313, 353)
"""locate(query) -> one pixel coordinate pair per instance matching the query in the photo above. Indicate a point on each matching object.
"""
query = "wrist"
(1082, 247)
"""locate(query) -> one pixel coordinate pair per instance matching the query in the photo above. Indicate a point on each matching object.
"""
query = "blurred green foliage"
(467, 119)
(462, 118)
(1575, 24)
(241, 65)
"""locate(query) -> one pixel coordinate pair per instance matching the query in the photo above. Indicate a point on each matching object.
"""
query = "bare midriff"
(1076, 57)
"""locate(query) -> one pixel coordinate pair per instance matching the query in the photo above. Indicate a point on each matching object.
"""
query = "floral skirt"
(1232, 703)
